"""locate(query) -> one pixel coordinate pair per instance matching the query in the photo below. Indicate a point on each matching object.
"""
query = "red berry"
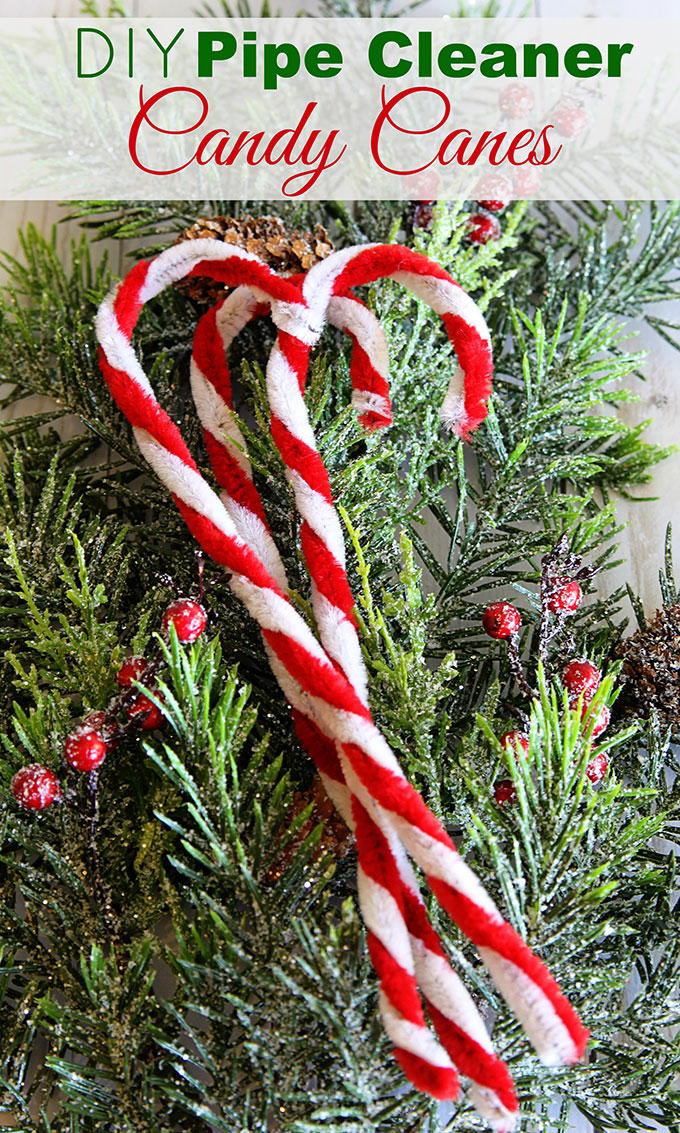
(515, 744)
(132, 669)
(154, 718)
(566, 597)
(493, 192)
(597, 768)
(188, 618)
(526, 180)
(423, 216)
(516, 101)
(598, 719)
(85, 749)
(35, 787)
(569, 118)
(581, 678)
(95, 720)
(501, 620)
(107, 727)
(482, 228)
(492, 205)
(504, 792)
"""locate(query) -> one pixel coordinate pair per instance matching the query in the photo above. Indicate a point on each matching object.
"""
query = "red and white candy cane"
(330, 698)
(404, 946)
(547, 1017)
(323, 544)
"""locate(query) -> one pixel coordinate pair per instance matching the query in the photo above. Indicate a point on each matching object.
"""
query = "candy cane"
(330, 697)
(547, 1017)
(392, 887)
(206, 515)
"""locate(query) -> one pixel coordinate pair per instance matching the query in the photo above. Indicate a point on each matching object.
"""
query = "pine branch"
(200, 856)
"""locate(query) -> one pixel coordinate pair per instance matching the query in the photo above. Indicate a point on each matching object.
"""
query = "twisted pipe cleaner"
(524, 982)
(385, 808)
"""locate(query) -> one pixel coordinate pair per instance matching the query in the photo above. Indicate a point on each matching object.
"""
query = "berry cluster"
(581, 679)
(495, 190)
(493, 193)
(86, 747)
(423, 191)
(561, 596)
(569, 117)
(516, 101)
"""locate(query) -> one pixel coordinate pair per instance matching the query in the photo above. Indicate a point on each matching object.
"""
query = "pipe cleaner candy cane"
(392, 890)
(458, 307)
(386, 810)
(523, 981)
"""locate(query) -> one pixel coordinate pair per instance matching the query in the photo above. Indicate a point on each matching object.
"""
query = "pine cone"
(336, 838)
(651, 669)
(287, 253)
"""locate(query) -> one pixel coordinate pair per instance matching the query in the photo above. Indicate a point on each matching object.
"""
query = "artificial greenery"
(174, 957)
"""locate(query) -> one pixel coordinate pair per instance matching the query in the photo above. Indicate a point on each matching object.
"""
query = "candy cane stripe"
(224, 262)
(250, 574)
(469, 1056)
(447, 298)
(410, 1037)
(232, 475)
(369, 367)
(441, 1083)
(351, 315)
(321, 520)
(217, 417)
(284, 381)
(389, 945)
(300, 664)
(382, 918)
(319, 287)
(334, 623)
(397, 981)
(234, 312)
(544, 1012)
(127, 305)
(302, 459)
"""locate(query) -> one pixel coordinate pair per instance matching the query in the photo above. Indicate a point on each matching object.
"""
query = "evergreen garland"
(173, 980)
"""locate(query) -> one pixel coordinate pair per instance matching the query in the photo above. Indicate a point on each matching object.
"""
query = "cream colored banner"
(358, 109)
